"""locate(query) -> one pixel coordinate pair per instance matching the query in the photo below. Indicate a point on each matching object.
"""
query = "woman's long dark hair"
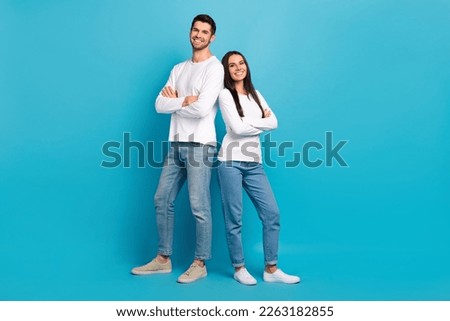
(248, 86)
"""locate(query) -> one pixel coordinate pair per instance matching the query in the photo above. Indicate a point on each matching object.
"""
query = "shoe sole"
(280, 281)
(150, 272)
(250, 284)
(190, 281)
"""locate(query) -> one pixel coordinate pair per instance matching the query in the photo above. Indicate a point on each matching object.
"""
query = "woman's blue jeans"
(233, 176)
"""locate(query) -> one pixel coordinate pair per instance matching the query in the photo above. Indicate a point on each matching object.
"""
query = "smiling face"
(237, 68)
(201, 35)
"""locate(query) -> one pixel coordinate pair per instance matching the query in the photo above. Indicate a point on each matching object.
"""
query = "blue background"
(77, 74)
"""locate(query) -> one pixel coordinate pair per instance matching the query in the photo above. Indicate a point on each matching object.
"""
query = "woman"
(247, 115)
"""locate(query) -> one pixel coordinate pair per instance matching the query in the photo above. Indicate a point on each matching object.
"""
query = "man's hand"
(189, 100)
(169, 92)
(267, 113)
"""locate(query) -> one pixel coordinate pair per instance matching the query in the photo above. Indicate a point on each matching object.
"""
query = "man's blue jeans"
(192, 162)
(233, 176)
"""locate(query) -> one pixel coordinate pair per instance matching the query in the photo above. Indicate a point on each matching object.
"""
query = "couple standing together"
(190, 97)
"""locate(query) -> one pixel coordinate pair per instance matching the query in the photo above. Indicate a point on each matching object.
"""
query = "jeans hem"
(202, 258)
(273, 262)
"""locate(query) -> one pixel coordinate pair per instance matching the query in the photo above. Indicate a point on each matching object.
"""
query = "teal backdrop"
(75, 75)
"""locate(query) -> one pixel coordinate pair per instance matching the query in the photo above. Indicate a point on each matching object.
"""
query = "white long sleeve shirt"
(241, 142)
(195, 122)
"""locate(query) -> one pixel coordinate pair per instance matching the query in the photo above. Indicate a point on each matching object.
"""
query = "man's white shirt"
(195, 122)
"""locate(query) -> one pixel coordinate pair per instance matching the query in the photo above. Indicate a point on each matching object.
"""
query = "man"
(190, 97)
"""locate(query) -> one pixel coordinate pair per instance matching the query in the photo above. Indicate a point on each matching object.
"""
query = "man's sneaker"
(153, 267)
(243, 277)
(281, 277)
(194, 273)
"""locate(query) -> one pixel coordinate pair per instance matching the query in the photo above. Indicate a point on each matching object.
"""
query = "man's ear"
(213, 37)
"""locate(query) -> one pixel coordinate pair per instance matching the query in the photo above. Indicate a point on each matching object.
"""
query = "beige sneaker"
(194, 273)
(153, 267)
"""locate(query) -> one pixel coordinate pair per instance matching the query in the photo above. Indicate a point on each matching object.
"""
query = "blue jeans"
(191, 161)
(233, 176)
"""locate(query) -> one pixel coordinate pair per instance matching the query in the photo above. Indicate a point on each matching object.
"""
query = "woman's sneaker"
(280, 277)
(243, 277)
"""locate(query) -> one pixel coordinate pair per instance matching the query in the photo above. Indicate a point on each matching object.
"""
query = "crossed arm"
(245, 126)
(169, 92)
(193, 106)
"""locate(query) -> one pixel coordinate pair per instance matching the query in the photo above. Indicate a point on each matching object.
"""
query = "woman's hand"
(267, 113)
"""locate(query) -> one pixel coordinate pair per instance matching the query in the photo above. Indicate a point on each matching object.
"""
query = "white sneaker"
(243, 277)
(281, 277)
